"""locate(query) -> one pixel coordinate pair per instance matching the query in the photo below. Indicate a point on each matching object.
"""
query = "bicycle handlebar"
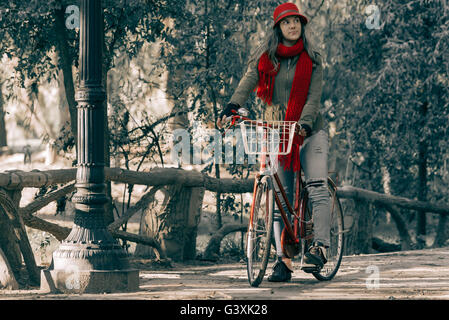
(241, 115)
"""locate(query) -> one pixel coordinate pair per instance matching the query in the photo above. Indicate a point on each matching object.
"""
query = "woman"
(288, 74)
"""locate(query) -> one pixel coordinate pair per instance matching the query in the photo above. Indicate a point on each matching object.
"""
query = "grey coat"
(311, 114)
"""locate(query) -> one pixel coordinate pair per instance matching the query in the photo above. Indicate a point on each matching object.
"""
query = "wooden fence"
(13, 218)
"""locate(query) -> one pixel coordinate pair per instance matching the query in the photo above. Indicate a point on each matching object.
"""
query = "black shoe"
(281, 273)
(316, 255)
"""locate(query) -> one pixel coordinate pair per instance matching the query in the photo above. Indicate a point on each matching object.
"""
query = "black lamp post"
(90, 260)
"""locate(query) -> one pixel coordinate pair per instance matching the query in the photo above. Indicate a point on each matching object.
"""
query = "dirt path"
(420, 274)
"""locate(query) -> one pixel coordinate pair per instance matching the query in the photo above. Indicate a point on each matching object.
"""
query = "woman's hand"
(303, 130)
(221, 122)
(231, 109)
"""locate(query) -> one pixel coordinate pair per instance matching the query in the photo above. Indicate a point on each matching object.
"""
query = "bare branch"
(46, 199)
(213, 248)
(142, 203)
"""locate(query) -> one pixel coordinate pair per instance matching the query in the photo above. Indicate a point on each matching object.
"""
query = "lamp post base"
(95, 281)
(89, 266)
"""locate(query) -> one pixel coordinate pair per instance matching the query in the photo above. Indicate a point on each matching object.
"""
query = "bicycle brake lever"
(240, 112)
(243, 112)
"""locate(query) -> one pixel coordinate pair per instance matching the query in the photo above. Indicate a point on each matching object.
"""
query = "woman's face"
(291, 28)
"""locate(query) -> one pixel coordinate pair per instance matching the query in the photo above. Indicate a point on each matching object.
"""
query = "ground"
(417, 274)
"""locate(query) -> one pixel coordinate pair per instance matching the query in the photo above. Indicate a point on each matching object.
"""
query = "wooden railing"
(15, 218)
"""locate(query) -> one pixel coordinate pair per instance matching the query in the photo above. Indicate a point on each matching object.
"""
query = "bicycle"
(269, 139)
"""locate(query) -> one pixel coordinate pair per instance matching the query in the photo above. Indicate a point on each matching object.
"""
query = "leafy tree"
(33, 31)
(393, 96)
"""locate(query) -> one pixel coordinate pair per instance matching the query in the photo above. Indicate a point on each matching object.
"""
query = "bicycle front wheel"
(260, 231)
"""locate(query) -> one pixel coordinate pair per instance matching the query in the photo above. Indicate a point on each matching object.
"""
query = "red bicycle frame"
(297, 230)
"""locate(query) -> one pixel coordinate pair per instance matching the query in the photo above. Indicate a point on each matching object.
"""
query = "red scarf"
(298, 92)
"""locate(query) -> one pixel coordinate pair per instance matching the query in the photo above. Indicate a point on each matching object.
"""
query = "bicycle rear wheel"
(260, 231)
(335, 250)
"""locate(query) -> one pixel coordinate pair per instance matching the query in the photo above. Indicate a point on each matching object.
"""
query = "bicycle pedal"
(310, 269)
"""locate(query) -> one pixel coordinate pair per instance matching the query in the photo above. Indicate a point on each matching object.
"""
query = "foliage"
(32, 27)
(206, 50)
(388, 88)
(391, 73)
(36, 34)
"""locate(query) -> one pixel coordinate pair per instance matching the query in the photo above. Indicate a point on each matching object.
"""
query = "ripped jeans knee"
(317, 189)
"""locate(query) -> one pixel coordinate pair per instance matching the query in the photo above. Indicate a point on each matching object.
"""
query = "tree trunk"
(359, 239)
(172, 218)
(212, 251)
(382, 246)
(193, 220)
(10, 244)
(10, 205)
(64, 109)
(7, 278)
(3, 136)
(401, 225)
(442, 233)
(422, 187)
(109, 214)
(65, 65)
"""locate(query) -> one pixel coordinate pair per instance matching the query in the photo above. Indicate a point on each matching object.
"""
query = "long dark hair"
(274, 37)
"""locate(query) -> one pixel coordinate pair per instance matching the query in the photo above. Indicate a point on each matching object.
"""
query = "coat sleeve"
(312, 106)
(246, 85)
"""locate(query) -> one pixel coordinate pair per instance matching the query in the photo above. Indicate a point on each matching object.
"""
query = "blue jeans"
(313, 158)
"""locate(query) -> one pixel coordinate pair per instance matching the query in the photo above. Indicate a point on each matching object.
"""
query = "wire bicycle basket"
(268, 138)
